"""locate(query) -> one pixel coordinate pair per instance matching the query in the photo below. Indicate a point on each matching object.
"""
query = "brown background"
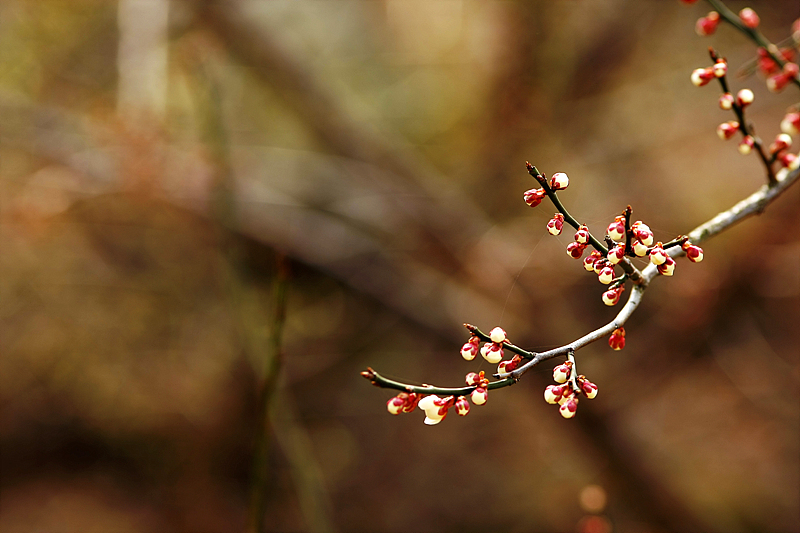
(380, 145)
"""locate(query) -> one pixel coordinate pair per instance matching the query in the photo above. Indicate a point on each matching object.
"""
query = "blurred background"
(171, 170)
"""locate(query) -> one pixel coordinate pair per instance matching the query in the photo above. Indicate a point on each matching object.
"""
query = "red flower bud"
(726, 130)
(559, 181)
(575, 249)
(749, 18)
(694, 253)
(556, 224)
(533, 197)
(708, 24)
(617, 339)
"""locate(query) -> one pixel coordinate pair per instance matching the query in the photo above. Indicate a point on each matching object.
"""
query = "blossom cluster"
(569, 387)
(436, 407)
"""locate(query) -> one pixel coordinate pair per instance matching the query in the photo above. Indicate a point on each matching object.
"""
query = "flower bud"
(667, 268)
(559, 181)
(616, 230)
(462, 406)
(791, 123)
(497, 335)
(611, 296)
(726, 102)
(617, 339)
(720, 68)
(588, 263)
(470, 349)
(642, 232)
(472, 379)
(561, 372)
(616, 254)
(765, 63)
(507, 366)
(606, 275)
(694, 253)
(745, 97)
(582, 235)
(479, 396)
(533, 197)
(778, 82)
(658, 255)
(789, 161)
(569, 407)
(575, 250)
(726, 130)
(639, 248)
(746, 146)
(556, 224)
(492, 352)
(749, 18)
(708, 24)
(395, 405)
(553, 393)
(782, 142)
(587, 387)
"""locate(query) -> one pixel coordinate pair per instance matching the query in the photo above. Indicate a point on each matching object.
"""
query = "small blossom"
(582, 235)
(789, 161)
(395, 405)
(642, 232)
(507, 366)
(745, 97)
(749, 18)
(600, 264)
(553, 393)
(587, 387)
(470, 348)
(616, 254)
(667, 268)
(533, 197)
(694, 253)
(782, 142)
(639, 248)
(720, 68)
(779, 81)
(462, 406)
(435, 408)
(616, 230)
(569, 407)
(556, 224)
(561, 372)
(492, 352)
(559, 181)
(606, 275)
(617, 339)
(726, 130)
(405, 402)
(611, 296)
(701, 76)
(708, 24)
(472, 379)
(575, 250)
(747, 144)
(658, 255)
(588, 263)
(726, 101)
(791, 123)
(479, 396)
(497, 335)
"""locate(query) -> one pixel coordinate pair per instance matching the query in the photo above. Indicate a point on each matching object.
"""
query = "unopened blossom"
(588, 263)
(616, 230)
(701, 76)
(617, 339)
(582, 235)
(657, 254)
(639, 248)
(507, 366)
(708, 24)
(533, 197)
(782, 142)
(470, 348)
(600, 264)
(745, 97)
(575, 250)
(720, 68)
(694, 253)
(462, 406)
(616, 254)
(553, 393)
(479, 396)
(606, 275)
(789, 161)
(791, 123)
(642, 232)
(667, 268)
(405, 402)
(556, 224)
(497, 335)
(611, 296)
(726, 130)
(587, 387)
(569, 406)
(726, 102)
(749, 18)
(747, 144)
(492, 352)
(559, 181)
(561, 372)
